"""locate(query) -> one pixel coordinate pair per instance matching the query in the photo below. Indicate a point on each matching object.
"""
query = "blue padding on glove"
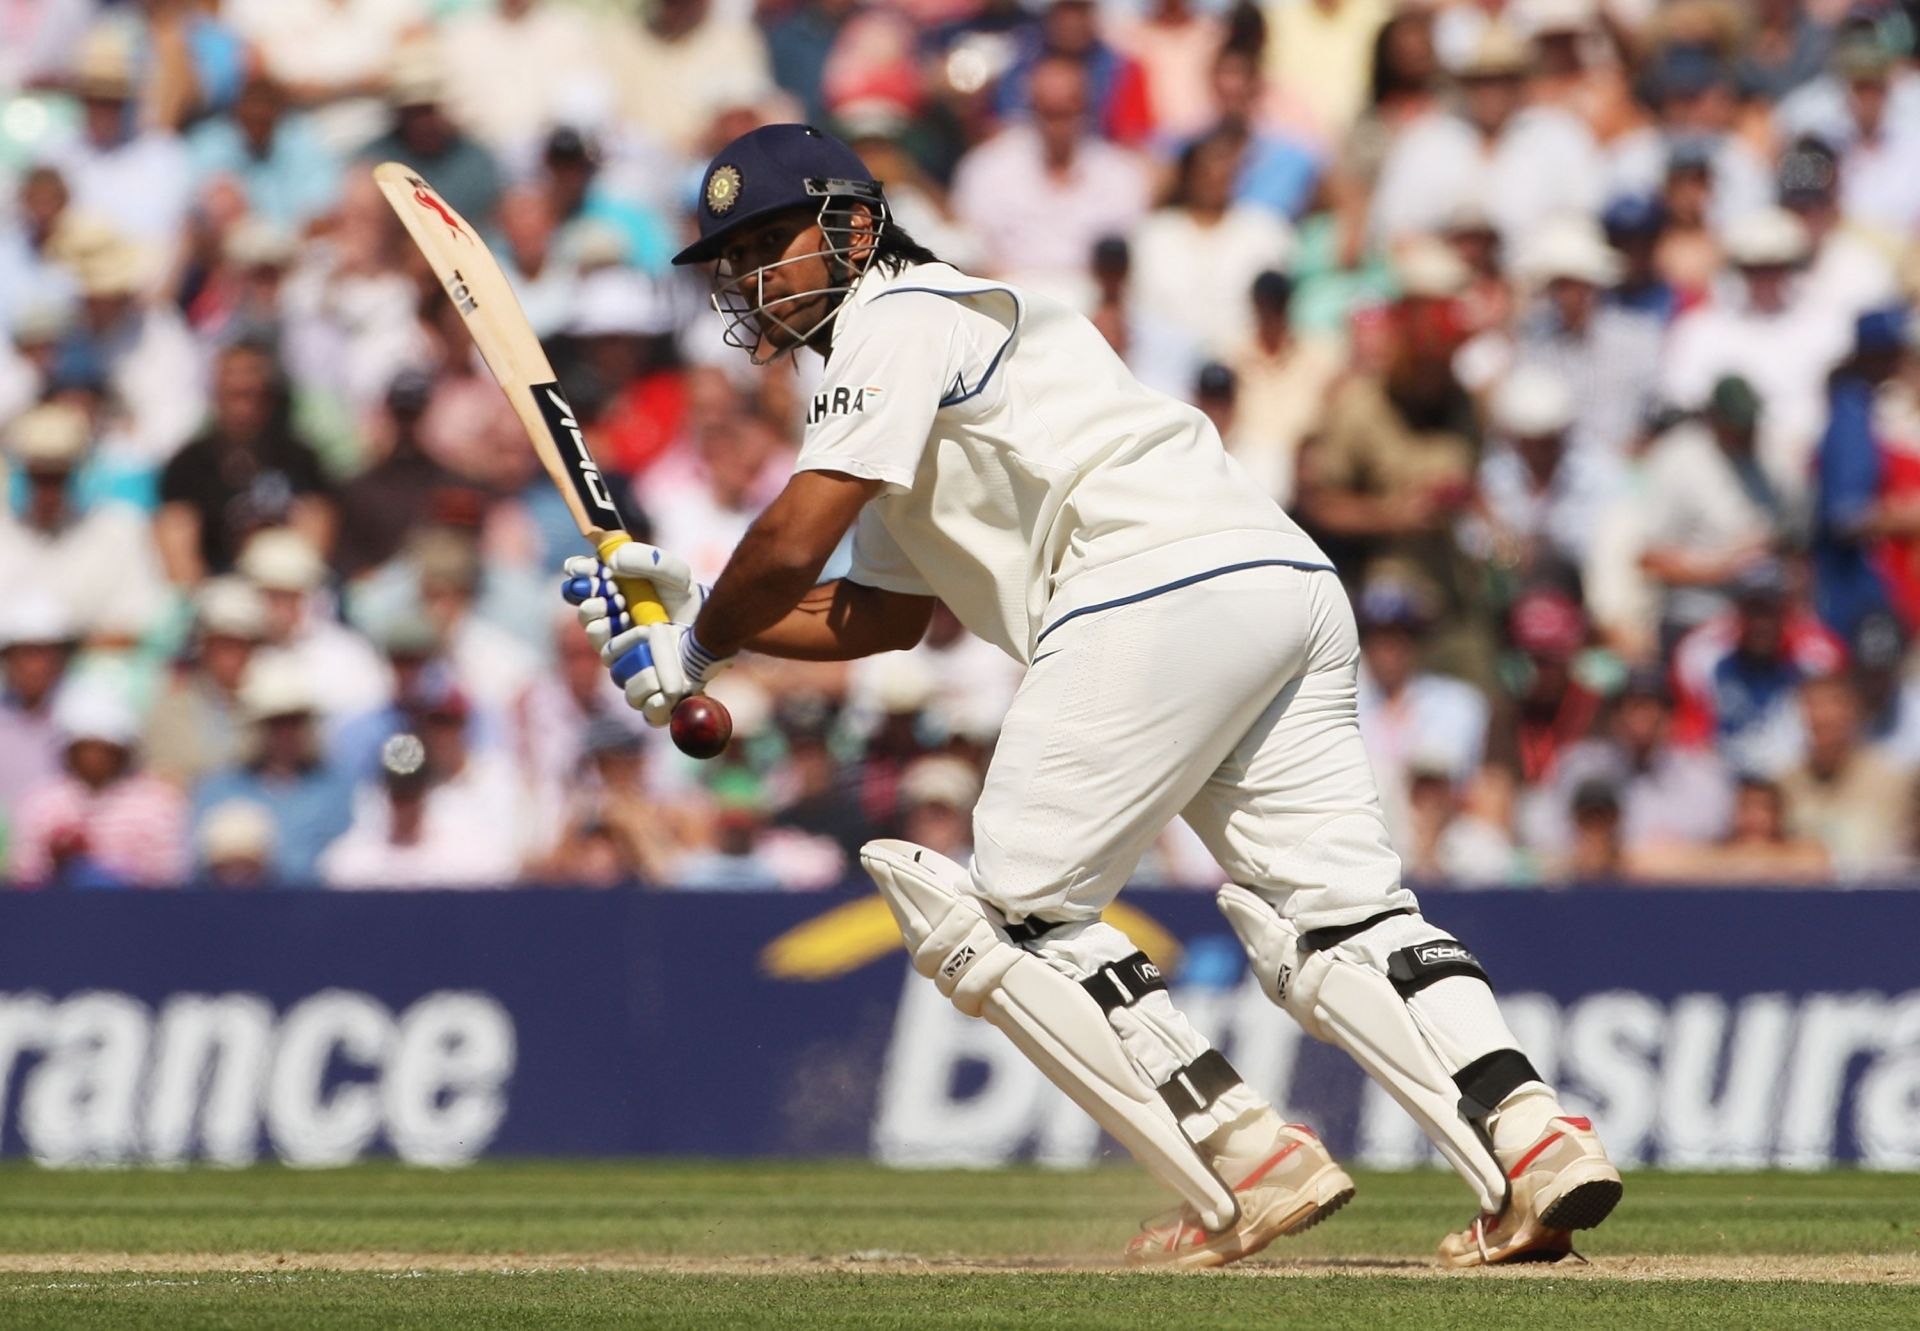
(631, 664)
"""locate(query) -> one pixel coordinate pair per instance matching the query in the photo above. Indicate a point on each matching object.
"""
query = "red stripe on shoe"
(1265, 1167)
(1585, 1124)
(1534, 1154)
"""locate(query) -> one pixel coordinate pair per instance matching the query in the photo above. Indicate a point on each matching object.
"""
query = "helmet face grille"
(739, 298)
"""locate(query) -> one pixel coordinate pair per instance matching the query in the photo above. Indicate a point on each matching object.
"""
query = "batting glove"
(589, 584)
(663, 665)
(655, 665)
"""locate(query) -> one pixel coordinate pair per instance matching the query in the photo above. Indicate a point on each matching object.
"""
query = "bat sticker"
(582, 470)
(426, 200)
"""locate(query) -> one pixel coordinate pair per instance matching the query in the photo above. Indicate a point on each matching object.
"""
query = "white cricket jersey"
(1028, 475)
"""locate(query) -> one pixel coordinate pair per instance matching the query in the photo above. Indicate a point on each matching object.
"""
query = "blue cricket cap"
(1881, 330)
(767, 171)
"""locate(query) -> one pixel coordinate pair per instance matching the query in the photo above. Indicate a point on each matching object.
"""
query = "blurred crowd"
(1578, 331)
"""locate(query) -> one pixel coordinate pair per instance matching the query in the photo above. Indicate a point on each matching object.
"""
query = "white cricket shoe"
(1560, 1183)
(1284, 1190)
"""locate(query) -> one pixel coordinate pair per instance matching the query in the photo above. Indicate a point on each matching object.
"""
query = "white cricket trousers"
(1230, 702)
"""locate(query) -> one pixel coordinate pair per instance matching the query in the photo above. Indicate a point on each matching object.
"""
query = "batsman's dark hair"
(897, 249)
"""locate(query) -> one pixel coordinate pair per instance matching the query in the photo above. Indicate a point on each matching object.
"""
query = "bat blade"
(480, 291)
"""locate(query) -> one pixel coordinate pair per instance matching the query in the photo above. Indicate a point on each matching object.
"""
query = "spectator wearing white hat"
(1607, 354)
(1454, 831)
(138, 176)
(623, 321)
(937, 795)
(1526, 163)
(235, 845)
(55, 540)
(1765, 328)
(240, 295)
(37, 638)
(347, 674)
(452, 590)
(152, 368)
(194, 727)
(104, 822)
(284, 771)
(1543, 498)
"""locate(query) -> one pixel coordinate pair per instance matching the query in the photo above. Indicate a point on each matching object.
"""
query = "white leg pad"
(1357, 1009)
(956, 943)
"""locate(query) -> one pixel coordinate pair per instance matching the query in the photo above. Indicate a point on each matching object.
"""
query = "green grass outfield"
(800, 1246)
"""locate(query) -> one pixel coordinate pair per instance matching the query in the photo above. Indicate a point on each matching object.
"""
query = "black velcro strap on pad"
(1124, 982)
(1486, 1081)
(1197, 1085)
(1319, 940)
(1414, 968)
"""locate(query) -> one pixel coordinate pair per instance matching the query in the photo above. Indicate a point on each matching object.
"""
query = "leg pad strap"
(1485, 1082)
(1194, 1088)
(1125, 982)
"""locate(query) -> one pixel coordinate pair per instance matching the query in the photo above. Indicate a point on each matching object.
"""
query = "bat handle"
(643, 605)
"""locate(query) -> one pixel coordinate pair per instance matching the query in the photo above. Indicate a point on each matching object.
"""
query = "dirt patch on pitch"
(1895, 1269)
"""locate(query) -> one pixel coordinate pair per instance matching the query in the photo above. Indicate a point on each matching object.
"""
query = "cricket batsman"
(1189, 652)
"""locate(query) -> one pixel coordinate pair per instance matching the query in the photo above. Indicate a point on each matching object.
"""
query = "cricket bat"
(478, 288)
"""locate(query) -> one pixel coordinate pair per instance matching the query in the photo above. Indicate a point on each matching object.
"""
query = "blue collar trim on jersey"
(959, 392)
(1176, 585)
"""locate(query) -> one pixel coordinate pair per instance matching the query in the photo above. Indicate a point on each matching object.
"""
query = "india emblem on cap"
(723, 189)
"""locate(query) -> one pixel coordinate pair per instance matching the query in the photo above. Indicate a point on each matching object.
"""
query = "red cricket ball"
(701, 727)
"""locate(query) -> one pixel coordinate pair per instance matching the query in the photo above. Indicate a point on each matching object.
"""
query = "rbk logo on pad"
(1432, 954)
(840, 402)
(958, 962)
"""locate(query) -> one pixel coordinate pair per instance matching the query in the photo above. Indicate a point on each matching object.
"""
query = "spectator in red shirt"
(1550, 710)
(104, 822)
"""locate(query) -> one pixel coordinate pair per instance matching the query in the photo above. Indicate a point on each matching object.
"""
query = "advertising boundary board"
(1701, 1028)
